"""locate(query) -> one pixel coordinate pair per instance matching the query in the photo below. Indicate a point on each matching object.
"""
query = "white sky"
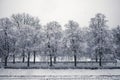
(63, 10)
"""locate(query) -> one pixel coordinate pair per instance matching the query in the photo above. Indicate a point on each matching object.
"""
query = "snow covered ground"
(59, 74)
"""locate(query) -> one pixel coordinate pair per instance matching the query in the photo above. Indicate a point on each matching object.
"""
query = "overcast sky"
(64, 10)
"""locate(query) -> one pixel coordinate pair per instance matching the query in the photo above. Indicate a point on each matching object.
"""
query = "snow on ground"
(30, 72)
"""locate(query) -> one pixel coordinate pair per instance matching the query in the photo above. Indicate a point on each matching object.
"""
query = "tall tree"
(5, 38)
(100, 36)
(25, 20)
(53, 35)
(116, 35)
(37, 42)
(25, 42)
(73, 39)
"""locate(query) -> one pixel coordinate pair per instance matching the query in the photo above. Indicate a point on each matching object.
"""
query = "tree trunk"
(96, 58)
(14, 59)
(54, 59)
(75, 60)
(23, 56)
(34, 59)
(50, 60)
(100, 59)
(28, 60)
(6, 60)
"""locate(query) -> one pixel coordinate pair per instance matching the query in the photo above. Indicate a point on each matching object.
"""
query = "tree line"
(22, 35)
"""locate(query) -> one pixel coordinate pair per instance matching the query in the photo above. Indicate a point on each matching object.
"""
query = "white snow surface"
(29, 72)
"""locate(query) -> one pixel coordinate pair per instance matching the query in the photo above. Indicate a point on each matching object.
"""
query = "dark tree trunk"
(6, 58)
(23, 56)
(75, 60)
(6, 48)
(34, 59)
(96, 58)
(28, 60)
(14, 59)
(54, 59)
(50, 60)
(96, 55)
(100, 59)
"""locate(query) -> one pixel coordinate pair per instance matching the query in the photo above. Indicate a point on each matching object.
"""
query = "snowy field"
(73, 77)
(59, 74)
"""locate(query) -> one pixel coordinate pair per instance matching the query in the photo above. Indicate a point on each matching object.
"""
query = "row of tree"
(22, 35)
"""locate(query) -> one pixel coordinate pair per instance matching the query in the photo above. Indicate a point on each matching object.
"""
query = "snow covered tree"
(14, 47)
(100, 38)
(22, 36)
(25, 20)
(53, 35)
(116, 35)
(37, 42)
(73, 39)
(25, 41)
(5, 38)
